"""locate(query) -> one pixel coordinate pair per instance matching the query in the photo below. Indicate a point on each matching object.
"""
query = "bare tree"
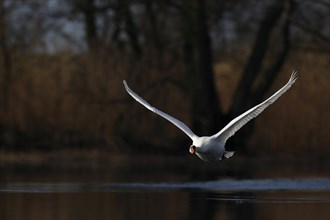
(205, 106)
(88, 9)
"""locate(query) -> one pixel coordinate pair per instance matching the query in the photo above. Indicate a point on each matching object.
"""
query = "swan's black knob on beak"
(192, 149)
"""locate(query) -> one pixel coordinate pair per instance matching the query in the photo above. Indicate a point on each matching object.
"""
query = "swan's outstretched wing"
(173, 120)
(244, 118)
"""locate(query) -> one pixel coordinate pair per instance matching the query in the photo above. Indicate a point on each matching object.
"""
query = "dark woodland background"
(205, 62)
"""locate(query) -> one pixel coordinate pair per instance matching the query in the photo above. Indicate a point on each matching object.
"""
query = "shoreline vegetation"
(96, 160)
(49, 111)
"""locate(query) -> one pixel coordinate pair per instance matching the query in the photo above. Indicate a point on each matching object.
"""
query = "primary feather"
(233, 126)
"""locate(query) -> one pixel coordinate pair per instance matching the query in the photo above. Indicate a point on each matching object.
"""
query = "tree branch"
(272, 72)
(253, 66)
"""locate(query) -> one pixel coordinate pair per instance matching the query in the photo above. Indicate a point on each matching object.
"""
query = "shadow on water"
(121, 187)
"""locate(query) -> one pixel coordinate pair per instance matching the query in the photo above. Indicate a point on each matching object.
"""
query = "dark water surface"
(155, 188)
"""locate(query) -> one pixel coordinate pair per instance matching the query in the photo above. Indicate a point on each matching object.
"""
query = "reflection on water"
(154, 189)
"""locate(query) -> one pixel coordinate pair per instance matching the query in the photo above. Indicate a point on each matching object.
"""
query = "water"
(226, 185)
(158, 188)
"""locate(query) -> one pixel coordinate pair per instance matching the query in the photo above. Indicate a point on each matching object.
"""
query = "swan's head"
(192, 149)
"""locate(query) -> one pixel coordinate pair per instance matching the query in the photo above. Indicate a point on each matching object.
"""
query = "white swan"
(210, 148)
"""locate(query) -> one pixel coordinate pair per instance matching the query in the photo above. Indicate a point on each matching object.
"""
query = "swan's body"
(211, 148)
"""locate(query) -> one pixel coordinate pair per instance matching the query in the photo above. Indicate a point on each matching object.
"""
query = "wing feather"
(233, 126)
(171, 119)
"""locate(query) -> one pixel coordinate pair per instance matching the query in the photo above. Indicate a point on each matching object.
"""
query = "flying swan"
(212, 148)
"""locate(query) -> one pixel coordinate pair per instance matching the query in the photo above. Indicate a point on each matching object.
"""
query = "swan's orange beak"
(192, 149)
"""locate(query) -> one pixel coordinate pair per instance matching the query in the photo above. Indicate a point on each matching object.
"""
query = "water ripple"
(225, 185)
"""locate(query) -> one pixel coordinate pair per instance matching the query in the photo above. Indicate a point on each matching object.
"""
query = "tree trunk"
(87, 8)
(7, 66)
(130, 28)
(205, 105)
(153, 29)
(245, 96)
